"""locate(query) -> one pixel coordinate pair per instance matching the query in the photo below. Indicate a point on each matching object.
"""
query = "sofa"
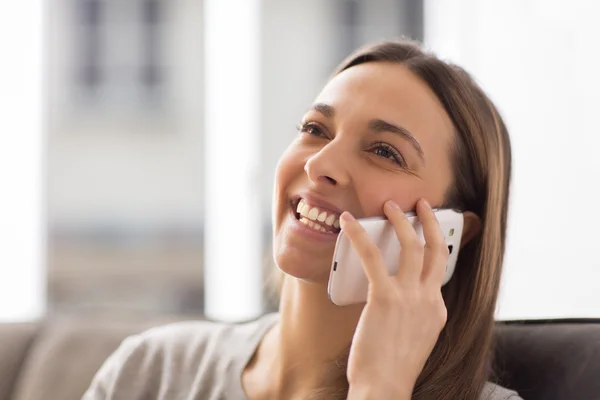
(55, 359)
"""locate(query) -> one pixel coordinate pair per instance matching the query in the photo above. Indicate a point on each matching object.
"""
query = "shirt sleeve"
(105, 382)
(495, 392)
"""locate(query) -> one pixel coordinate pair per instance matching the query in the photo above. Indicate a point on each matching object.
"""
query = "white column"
(22, 273)
(233, 223)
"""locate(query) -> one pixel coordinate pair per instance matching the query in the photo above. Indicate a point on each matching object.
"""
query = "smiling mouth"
(316, 218)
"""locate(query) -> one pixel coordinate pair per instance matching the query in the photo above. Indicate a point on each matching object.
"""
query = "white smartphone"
(347, 281)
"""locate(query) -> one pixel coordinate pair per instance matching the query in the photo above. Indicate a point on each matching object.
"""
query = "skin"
(364, 169)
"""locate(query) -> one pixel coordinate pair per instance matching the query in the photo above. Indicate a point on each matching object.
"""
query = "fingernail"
(426, 204)
(346, 216)
(393, 204)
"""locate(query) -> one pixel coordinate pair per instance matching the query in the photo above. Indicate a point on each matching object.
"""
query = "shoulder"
(181, 340)
(183, 343)
(137, 368)
(194, 342)
(492, 391)
(171, 358)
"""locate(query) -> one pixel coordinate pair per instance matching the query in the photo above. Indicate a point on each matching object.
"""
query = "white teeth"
(330, 219)
(313, 225)
(314, 214)
(304, 210)
(322, 217)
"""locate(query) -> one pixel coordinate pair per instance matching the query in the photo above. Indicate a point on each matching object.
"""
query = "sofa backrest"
(548, 360)
(66, 354)
(16, 341)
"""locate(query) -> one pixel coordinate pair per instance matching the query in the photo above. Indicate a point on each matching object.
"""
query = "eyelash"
(305, 127)
(394, 157)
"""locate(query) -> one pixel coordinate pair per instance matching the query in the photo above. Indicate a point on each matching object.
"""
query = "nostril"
(331, 180)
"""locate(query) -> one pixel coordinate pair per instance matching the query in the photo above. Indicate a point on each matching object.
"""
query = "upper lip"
(318, 201)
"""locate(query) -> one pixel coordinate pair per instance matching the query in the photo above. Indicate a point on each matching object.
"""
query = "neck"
(311, 325)
(312, 334)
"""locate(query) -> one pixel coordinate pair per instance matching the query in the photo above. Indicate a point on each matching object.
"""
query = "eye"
(388, 152)
(385, 153)
(311, 128)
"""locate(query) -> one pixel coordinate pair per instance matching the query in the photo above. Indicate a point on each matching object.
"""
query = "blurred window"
(118, 51)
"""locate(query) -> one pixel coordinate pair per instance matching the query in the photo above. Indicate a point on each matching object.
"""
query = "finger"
(411, 247)
(436, 251)
(369, 253)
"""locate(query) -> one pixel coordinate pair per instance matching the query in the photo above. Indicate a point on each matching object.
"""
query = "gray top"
(193, 361)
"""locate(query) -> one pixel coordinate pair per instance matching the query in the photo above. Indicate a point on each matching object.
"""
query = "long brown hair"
(461, 361)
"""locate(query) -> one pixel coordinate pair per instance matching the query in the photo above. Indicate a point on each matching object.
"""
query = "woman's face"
(376, 132)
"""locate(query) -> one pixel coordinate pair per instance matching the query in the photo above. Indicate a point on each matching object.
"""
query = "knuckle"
(440, 311)
(442, 316)
(443, 250)
(414, 244)
(385, 298)
(439, 247)
(411, 298)
(371, 253)
(436, 242)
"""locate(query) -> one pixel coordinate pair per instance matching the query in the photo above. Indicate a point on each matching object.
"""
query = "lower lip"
(301, 229)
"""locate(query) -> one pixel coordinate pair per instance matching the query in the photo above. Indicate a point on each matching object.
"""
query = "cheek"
(289, 169)
(405, 191)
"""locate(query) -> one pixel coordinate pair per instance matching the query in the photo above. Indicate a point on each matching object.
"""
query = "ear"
(471, 227)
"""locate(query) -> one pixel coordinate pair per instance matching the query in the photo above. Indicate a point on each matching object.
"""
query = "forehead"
(391, 92)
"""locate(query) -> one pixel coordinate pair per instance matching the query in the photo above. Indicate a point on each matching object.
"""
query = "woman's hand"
(404, 314)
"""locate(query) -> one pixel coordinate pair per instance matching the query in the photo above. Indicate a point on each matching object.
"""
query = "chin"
(303, 265)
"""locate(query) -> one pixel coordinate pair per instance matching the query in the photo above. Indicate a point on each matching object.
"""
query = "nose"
(328, 166)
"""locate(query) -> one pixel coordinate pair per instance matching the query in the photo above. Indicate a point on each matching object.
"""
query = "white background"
(538, 61)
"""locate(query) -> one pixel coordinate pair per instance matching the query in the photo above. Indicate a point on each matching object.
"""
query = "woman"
(395, 129)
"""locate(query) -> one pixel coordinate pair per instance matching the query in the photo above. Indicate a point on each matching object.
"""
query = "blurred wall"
(299, 52)
(126, 163)
(113, 162)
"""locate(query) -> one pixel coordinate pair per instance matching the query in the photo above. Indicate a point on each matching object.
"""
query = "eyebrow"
(379, 126)
(324, 109)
